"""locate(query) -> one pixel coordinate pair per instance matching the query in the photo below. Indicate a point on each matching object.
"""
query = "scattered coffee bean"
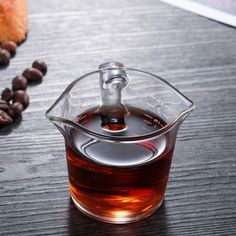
(14, 101)
(19, 82)
(33, 75)
(5, 119)
(40, 65)
(4, 57)
(15, 110)
(7, 94)
(10, 46)
(22, 97)
(4, 105)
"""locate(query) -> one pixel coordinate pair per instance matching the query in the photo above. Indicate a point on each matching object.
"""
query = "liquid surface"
(136, 122)
(117, 180)
(127, 122)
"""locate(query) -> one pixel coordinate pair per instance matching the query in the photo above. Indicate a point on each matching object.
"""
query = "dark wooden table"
(195, 54)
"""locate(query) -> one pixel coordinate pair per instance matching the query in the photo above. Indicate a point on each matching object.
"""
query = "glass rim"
(124, 139)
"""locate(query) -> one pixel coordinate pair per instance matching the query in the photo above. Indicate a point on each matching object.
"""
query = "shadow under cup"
(119, 175)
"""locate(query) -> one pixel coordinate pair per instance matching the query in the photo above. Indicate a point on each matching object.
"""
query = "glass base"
(116, 220)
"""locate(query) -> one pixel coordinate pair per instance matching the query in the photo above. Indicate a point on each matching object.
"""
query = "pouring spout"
(58, 113)
(181, 118)
(182, 108)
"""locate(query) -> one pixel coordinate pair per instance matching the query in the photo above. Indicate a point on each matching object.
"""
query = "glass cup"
(120, 126)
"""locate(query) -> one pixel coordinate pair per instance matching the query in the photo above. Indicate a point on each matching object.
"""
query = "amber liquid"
(119, 181)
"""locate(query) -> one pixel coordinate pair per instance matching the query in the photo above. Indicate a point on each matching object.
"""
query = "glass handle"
(113, 79)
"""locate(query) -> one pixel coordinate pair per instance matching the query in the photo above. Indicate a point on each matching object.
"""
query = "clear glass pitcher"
(120, 126)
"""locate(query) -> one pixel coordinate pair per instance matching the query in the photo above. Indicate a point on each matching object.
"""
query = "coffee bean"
(4, 57)
(15, 110)
(33, 75)
(40, 65)
(19, 82)
(10, 46)
(7, 94)
(22, 97)
(4, 105)
(5, 119)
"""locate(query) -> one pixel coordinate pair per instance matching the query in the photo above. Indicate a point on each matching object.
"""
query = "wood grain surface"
(196, 55)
